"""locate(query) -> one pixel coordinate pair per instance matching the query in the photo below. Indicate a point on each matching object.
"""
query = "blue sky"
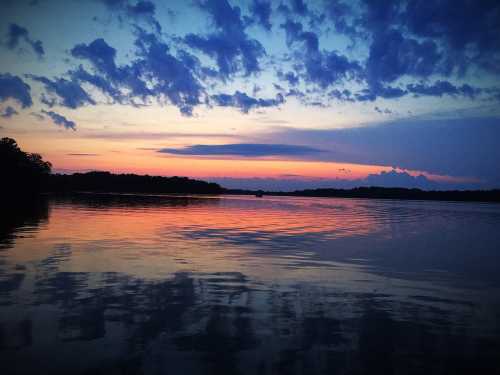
(273, 92)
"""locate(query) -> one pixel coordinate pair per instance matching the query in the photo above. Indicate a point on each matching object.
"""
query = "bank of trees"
(22, 172)
(25, 173)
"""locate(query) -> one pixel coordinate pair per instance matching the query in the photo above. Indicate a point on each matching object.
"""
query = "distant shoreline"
(478, 196)
(486, 196)
(131, 184)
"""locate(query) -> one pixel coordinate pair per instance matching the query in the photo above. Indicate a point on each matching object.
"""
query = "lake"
(242, 285)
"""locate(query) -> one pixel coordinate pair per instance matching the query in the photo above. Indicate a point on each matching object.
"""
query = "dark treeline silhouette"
(27, 174)
(128, 183)
(23, 173)
(388, 193)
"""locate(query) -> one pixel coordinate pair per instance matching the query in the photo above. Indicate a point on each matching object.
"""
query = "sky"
(259, 94)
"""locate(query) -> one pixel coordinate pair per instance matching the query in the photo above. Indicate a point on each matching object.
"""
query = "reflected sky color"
(246, 285)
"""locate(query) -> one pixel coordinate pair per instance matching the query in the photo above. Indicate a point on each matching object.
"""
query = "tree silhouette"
(24, 173)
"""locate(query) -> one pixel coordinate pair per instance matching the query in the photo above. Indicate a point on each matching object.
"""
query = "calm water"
(242, 285)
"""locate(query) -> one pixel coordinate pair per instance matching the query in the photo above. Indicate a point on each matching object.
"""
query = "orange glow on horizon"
(140, 157)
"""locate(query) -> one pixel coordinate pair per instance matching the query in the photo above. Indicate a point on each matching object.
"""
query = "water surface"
(243, 285)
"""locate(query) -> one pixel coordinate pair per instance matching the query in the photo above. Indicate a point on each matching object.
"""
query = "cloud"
(72, 95)
(340, 13)
(392, 56)
(244, 102)
(260, 12)
(109, 78)
(13, 87)
(441, 88)
(393, 178)
(243, 149)
(82, 154)
(174, 77)
(323, 68)
(468, 147)
(100, 54)
(397, 49)
(230, 46)
(105, 85)
(17, 33)
(38, 116)
(377, 90)
(471, 35)
(153, 135)
(60, 120)
(8, 112)
(289, 77)
(141, 10)
(404, 43)
(155, 73)
(429, 24)
(383, 111)
(341, 95)
(297, 8)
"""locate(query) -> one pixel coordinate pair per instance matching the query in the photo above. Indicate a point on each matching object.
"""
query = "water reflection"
(243, 286)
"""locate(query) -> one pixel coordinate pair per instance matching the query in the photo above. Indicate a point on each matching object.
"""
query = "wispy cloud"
(60, 120)
(393, 178)
(243, 149)
(466, 147)
(153, 135)
(81, 154)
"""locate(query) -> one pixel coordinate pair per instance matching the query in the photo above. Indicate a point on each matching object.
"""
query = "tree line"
(28, 174)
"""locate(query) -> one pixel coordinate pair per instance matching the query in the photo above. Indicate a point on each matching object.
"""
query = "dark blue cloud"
(394, 178)
(100, 54)
(244, 102)
(243, 149)
(468, 33)
(393, 55)
(289, 77)
(322, 68)
(327, 68)
(456, 146)
(60, 120)
(383, 111)
(155, 72)
(399, 48)
(71, 94)
(137, 10)
(440, 88)
(110, 78)
(142, 7)
(260, 13)
(174, 77)
(406, 40)
(8, 112)
(341, 95)
(340, 13)
(379, 90)
(102, 83)
(297, 9)
(13, 87)
(230, 46)
(470, 30)
(17, 33)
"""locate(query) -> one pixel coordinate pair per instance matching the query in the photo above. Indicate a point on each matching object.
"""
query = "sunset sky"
(258, 94)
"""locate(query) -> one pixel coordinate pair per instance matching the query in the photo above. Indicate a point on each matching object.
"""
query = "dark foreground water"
(242, 285)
